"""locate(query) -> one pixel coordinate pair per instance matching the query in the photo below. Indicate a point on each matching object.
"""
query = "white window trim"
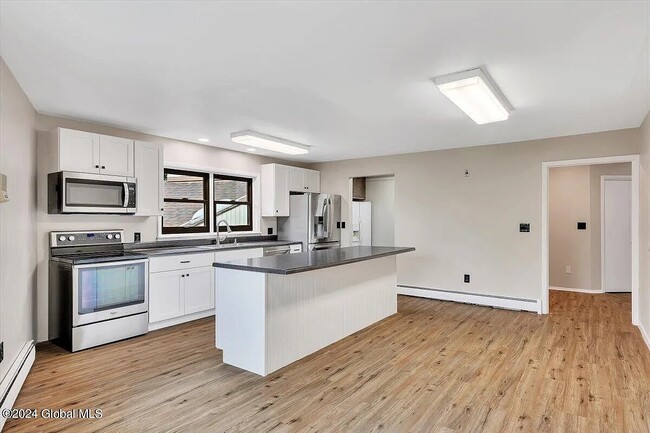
(257, 211)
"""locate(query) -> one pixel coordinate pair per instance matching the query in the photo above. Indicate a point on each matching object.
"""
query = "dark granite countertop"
(309, 261)
(168, 248)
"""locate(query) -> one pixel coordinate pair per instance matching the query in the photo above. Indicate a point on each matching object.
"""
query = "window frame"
(206, 203)
(249, 192)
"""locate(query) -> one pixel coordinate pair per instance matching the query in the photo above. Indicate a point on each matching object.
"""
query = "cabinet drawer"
(181, 261)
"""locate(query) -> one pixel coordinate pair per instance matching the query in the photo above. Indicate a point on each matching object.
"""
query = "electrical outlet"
(269, 230)
(2, 351)
(466, 278)
(568, 270)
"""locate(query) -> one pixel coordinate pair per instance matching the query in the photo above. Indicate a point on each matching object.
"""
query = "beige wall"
(177, 153)
(569, 202)
(470, 224)
(17, 218)
(574, 195)
(380, 191)
(644, 292)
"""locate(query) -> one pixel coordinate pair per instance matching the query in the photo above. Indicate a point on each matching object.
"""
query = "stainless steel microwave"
(70, 192)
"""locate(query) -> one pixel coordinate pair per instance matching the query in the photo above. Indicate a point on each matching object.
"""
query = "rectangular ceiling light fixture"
(268, 142)
(476, 94)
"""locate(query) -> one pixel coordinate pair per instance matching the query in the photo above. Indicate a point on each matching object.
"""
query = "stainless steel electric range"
(98, 293)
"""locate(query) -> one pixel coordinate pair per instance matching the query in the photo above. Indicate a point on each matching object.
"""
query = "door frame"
(635, 213)
(603, 179)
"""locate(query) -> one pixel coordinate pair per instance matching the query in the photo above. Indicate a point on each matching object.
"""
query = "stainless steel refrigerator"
(314, 219)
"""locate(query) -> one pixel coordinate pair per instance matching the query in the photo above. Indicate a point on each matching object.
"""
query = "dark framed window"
(233, 202)
(187, 196)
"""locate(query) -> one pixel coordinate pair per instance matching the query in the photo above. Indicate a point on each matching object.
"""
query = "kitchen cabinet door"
(199, 292)
(311, 180)
(116, 156)
(297, 179)
(166, 295)
(275, 190)
(76, 151)
(149, 172)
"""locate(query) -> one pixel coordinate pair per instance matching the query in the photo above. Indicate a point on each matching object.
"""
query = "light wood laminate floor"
(435, 366)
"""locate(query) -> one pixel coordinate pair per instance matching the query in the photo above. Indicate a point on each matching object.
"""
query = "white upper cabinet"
(149, 172)
(303, 180)
(72, 150)
(278, 180)
(115, 156)
(275, 190)
(87, 152)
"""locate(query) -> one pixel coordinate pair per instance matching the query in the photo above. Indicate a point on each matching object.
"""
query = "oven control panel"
(75, 238)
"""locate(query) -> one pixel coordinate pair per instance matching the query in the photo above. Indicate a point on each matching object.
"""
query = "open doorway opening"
(373, 211)
(590, 228)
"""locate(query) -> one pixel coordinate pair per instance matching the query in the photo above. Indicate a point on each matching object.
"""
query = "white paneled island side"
(272, 311)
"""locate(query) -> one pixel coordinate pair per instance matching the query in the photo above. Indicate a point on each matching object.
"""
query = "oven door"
(93, 193)
(104, 291)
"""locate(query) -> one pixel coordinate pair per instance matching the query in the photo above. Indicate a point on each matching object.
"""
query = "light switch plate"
(568, 269)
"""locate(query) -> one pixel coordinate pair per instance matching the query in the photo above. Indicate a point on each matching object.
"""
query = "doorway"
(373, 211)
(634, 250)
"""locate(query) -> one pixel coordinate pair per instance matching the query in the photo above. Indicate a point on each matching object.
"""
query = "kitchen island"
(272, 311)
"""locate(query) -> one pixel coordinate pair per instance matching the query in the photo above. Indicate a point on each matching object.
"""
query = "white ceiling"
(351, 79)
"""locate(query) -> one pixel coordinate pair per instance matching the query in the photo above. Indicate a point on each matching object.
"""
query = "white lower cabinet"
(199, 295)
(166, 298)
(182, 287)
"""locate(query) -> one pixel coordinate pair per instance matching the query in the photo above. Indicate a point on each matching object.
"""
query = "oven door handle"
(126, 194)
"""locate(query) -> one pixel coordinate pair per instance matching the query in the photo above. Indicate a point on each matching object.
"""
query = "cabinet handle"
(103, 167)
(96, 166)
(185, 261)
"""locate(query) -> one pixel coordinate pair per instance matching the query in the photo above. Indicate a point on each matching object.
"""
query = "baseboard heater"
(504, 302)
(15, 377)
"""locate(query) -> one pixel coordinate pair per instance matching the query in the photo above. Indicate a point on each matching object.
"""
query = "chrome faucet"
(219, 240)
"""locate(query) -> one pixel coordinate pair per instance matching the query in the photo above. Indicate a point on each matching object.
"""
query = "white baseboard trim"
(15, 377)
(571, 289)
(533, 305)
(180, 319)
(644, 334)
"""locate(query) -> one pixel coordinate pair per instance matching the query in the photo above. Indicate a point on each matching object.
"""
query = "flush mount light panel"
(268, 142)
(476, 95)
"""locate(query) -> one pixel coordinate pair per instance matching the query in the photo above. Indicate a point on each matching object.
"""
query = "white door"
(78, 151)
(166, 298)
(116, 156)
(149, 172)
(199, 295)
(616, 234)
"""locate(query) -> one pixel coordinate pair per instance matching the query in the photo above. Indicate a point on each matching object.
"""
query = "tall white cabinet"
(149, 171)
(278, 181)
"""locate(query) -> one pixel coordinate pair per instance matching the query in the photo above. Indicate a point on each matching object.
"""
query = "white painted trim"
(15, 378)
(636, 253)
(603, 179)
(181, 319)
(533, 305)
(645, 335)
(572, 289)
